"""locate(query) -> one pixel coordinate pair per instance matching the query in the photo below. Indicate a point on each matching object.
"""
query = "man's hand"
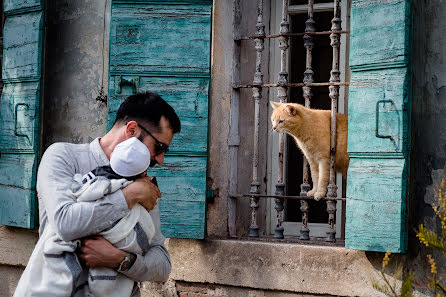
(142, 191)
(96, 251)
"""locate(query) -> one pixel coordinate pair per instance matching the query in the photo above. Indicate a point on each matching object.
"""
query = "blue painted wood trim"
(162, 74)
(377, 182)
(12, 7)
(20, 127)
(164, 2)
(182, 83)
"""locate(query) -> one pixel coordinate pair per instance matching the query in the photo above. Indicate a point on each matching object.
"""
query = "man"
(145, 116)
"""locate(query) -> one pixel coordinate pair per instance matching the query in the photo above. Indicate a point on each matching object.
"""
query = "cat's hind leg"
(314, 176)
(324, 177)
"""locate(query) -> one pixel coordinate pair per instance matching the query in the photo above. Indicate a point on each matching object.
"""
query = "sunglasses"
(160, 147)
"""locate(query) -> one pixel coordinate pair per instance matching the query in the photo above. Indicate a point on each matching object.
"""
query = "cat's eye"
(280, 121)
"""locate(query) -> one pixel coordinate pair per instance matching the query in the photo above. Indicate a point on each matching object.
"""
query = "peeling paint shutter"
(164, 47)
(20, 111)
(379, 125)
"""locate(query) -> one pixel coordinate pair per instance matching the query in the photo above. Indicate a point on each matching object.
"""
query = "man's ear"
(131, 128)
(291, 110)
(274, 104)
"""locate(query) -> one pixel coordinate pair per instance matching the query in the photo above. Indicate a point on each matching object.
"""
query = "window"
(322, 55)
(378, 111)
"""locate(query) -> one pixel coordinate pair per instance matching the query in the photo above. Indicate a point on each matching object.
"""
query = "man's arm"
(72, 219)
(153, 266)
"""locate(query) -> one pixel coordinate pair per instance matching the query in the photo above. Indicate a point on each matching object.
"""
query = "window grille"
(282, 86)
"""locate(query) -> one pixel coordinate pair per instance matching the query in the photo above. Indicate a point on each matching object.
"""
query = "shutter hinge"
(210, 196)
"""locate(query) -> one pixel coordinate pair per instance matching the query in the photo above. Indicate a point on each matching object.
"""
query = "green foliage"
(390, 287)
(429, 239)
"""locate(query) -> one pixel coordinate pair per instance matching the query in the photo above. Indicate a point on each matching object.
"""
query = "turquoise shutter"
(164, 47)
(379, 126)
(20, 111)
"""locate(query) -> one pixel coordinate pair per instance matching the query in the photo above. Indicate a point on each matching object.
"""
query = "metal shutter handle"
(377, 119)
(16, 110)
(133, 82)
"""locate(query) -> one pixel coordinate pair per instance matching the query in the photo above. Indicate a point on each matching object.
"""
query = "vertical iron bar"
(334, 95)
(282, 95)
(234, 137)
(308, 94)
(257, 95)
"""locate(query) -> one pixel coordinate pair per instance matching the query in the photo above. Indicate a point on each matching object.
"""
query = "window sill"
(274, 265)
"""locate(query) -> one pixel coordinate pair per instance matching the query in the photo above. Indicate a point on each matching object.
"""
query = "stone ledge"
(273, 266)
(16, 245)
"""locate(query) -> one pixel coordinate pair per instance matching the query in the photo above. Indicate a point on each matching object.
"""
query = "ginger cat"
(310, 128)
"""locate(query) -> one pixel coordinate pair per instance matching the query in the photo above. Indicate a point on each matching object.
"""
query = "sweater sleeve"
(155, 264)
(69, 218)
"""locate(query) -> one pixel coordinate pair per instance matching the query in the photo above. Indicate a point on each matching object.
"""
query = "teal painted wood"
(20, 109)
(165, 47)
(22, 47)
(376, 216)
(20, 112)
(380, 33)
(18, 204)
(182, 206)
(160, 38)
(369, 115)
(379, 125)
(14, 6)
(189, 98)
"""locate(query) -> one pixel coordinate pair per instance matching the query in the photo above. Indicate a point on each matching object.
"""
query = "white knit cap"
(130, 157)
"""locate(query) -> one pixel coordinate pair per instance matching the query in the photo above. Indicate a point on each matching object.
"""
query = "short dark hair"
(147, 107)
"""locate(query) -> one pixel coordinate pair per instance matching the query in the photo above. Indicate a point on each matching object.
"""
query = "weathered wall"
(428, 120)
(75, 69)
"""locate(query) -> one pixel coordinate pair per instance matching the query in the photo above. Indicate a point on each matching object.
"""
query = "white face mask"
(130, 157)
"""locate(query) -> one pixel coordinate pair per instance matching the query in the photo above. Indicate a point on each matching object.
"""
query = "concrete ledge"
(273, 266)
(16, 245)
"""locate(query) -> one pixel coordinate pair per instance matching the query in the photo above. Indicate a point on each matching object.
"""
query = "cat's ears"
(291, 110)
(274, 104)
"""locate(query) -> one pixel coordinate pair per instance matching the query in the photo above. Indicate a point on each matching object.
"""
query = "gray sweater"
(74, 220)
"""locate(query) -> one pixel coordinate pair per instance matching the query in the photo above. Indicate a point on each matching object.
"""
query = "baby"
(55, 259)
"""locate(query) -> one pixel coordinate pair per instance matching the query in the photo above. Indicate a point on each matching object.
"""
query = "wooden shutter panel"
(164, 47)
(20, 111)
(379, 126)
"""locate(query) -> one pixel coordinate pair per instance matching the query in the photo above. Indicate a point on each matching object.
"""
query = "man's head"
(151, 119)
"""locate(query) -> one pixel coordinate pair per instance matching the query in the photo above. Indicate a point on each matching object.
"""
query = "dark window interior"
(322, 62)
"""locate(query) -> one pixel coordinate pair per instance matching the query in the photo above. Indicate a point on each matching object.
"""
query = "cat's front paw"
(319, 195)
(311, 193)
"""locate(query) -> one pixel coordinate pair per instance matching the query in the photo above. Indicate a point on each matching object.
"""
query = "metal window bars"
(282, 87)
